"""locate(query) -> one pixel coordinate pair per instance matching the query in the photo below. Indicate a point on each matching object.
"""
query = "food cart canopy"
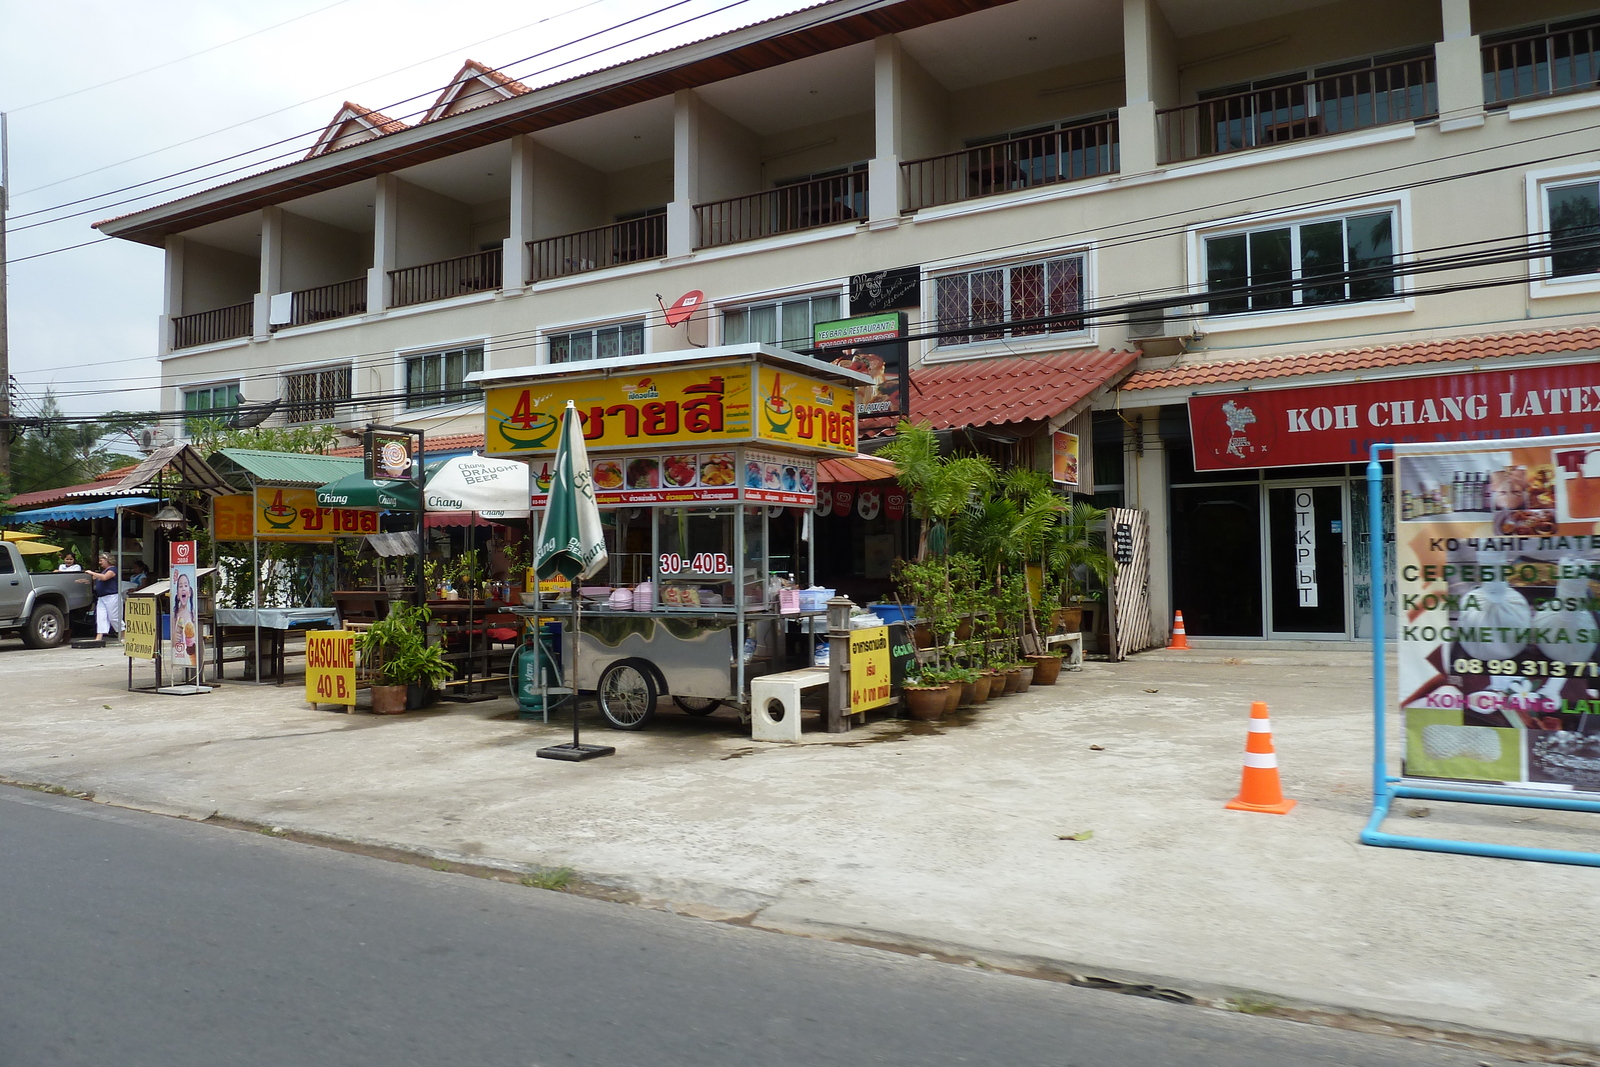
(494, 488)
(100, 509)
(356, 491)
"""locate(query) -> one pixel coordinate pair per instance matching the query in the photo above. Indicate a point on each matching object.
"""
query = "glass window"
(313, 395)
(436, 378)
(781, 323)
(997, 296)
(1574, 229)
(602, 342)
(1329, 261)
(210, 401)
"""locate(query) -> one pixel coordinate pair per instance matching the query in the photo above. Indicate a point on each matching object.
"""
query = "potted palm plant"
(405, 668)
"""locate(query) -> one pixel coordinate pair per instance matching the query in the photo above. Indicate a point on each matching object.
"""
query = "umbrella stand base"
(575, 753)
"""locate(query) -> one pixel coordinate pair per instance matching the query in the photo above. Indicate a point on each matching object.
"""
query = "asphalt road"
(133, 939)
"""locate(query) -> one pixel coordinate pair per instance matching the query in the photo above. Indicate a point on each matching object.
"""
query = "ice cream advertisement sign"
(1339, 423)
(1499, 586)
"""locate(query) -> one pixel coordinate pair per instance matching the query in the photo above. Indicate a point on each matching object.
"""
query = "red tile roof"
(459, 88)
(453, 442)
(982, 392)
(376, 121)
(40, 497)
(1584, 339)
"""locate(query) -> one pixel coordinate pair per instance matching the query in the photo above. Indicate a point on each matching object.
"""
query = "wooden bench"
(775, 702)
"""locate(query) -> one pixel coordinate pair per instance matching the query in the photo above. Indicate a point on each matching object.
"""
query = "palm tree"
(938, 487)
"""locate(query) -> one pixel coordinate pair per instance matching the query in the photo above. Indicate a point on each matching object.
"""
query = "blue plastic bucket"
(893, 613)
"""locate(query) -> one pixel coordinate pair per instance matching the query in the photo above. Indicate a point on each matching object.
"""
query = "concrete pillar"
(883, 171)
(171, 293)
(1145, 474)
(1460, 65)
(385, 236)
(517, 268)
(1150, 76)
(681, 227)
(271, 269)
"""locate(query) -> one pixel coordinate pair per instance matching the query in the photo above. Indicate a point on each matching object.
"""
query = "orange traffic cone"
(1180, 639)
(1260, 790)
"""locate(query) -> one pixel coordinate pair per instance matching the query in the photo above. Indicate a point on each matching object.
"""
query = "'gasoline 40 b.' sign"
(331, 667)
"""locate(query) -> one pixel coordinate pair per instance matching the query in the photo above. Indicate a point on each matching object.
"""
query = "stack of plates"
(642, 595)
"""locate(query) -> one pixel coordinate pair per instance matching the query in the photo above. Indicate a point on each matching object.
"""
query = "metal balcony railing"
(603, 246)
(329, 302)
(207, 327)
(801, 206)
(1021, 163)
(1313, 107)
(477, 273)
(1550, 64)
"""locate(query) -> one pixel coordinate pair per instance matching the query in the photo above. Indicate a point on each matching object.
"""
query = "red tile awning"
(984, 392)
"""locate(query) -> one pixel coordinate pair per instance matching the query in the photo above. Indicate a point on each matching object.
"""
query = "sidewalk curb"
(718, 903)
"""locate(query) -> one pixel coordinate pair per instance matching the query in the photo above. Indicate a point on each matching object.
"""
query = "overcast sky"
(228, 78)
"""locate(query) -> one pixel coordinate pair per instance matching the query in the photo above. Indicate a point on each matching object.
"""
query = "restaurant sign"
(1340, 423)
(694, 478)
(704, 406)
(281, 514)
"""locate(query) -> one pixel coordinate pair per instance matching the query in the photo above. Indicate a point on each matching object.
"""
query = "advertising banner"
(185, 598)
(331, 667)
(287, 515)
(857, 343)
(869, 668)
(695, 478)
(1064, 459)
(386, 457)
(1499, 582)
(1340, 423)
(139, 627)
(803, 412)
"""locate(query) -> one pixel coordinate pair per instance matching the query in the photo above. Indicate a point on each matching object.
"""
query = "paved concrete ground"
(945, 837)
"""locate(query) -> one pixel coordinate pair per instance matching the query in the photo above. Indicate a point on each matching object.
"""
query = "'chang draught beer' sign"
(1339, 423)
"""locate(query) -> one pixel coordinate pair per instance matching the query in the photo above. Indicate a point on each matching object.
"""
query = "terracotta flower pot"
(980, 689)
(952, 699)
(997, 683)
(1027, 680)
(1013, 680)
(969, 693)
(923, 636)
(388, 699)
(1046, 669)
(1067, 620)
(925, 702)
(964, 630)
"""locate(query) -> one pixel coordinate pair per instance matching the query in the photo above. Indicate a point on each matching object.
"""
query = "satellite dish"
(684, 306)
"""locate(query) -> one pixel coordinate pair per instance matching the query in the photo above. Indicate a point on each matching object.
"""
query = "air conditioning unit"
(1152, 324)
(153, 439)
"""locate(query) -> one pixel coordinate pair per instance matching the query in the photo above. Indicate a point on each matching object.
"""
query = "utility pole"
(5, 351)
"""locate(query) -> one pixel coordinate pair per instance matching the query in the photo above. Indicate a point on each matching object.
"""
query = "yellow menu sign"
(287, 515)
(869, 661)
(139, 627)
(331, 667)
(653, 408)
(804, 411)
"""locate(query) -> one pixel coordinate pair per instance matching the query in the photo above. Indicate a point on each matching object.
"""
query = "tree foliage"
(50, 453)
(209, 435)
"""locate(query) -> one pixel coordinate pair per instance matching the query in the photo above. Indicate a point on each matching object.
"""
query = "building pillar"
(385, 235)
(681, 227)
(1150, 77)
(516, 264)
(1145, 477)
(171, 293)
(271, 269)
(883, 171)
(1459, 60)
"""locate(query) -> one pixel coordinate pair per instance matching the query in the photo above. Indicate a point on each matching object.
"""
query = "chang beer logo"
(526, 426)
(278, 515)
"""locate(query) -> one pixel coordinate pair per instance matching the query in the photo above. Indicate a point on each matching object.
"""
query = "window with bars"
(1326, 261)
(602, 342)
(311, 396)
(208, 402)
(1000, 297)
(784, 323)
(436, 378)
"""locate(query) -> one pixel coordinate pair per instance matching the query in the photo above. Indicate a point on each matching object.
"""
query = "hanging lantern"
(168, 518)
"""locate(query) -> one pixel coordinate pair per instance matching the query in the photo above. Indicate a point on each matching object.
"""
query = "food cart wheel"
(697, 705)
(627, 695)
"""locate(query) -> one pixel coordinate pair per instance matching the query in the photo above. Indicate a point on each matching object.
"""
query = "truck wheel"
(47, 627)
(627, 695)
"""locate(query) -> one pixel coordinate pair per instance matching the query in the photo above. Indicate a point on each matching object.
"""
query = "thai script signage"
(1496, 614)
(869, 668)
(1340, 423)
(287, 515)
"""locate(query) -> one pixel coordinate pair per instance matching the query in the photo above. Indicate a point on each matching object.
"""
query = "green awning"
(355, 491)
(283, 468)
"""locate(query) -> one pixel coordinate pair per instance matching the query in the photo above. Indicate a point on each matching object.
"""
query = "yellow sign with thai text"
(869, 662)
(287, 515)
(803, 412)
(139, 627)
(706, 404)
(331, 667)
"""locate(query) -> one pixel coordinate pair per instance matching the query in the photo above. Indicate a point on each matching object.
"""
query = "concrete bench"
(1073, 660)
(775, 702)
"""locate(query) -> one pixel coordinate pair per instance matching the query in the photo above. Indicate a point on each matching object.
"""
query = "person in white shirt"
(69, 562)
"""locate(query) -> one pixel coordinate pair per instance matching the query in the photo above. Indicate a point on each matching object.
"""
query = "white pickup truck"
(36, 606)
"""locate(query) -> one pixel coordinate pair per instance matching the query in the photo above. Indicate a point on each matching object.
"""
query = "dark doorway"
(1306, 540)
(1216, 559)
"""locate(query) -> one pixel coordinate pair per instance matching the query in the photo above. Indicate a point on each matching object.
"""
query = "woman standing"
(107, 600)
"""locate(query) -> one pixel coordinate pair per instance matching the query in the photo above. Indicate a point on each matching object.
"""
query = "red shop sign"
(894, 503)
(844, 498)
(1340, 423)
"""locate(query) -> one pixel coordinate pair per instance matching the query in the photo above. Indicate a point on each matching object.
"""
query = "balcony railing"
(1021, 163)
(207, 327)
(802, 206)
(477, 273)
(1551, 64)
(1294, 111)
(329, 302)
(603, 246)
